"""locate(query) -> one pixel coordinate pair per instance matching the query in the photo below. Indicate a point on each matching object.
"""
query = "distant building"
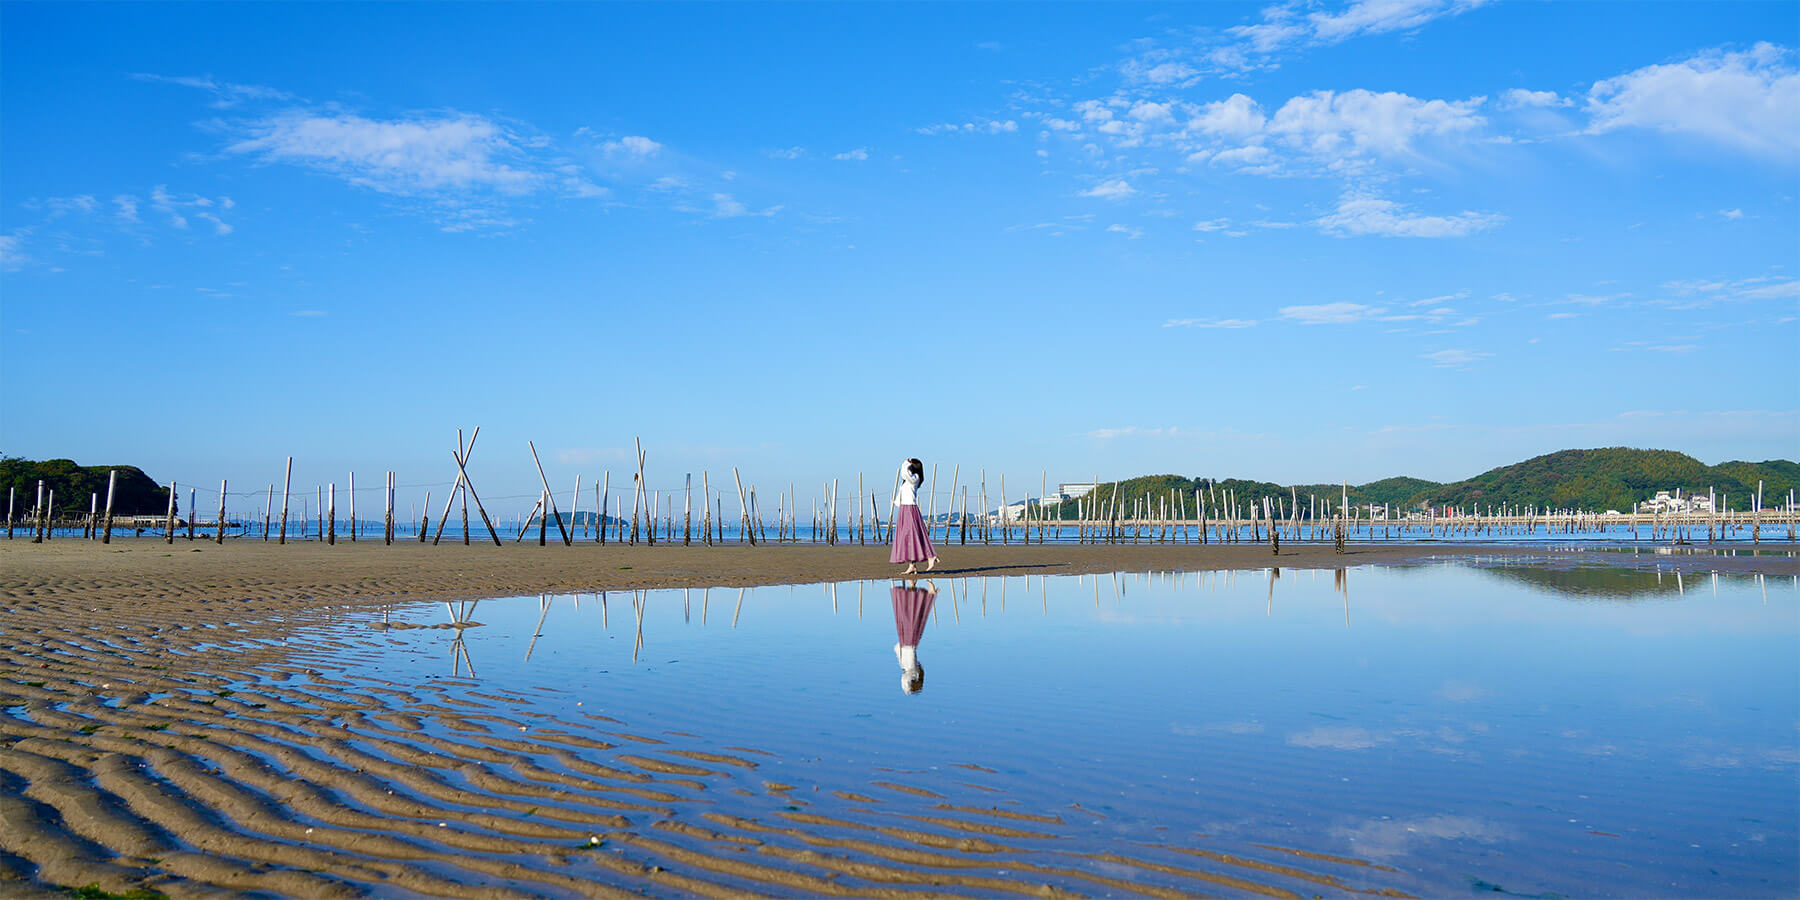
(1665, 503)
(1075, 489)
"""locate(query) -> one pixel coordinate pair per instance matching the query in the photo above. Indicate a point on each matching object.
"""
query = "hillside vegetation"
(135, 494)
(1600, 479)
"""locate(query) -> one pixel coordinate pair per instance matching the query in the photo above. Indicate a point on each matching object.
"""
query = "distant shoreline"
(87, 574)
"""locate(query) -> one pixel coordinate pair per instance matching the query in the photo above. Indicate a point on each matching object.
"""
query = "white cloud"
(977, 126)
(1281, 27)
(1454, 359)
(1126, 230)
(631, 146)
(400, 156)
(857, 155)
(1212, 225)
(1113, 189)
(726, 207)
(12, 255)
(1363, 214)
(127, 209)
(1329, 313)
(1519, 98)
(1748, 101)
(1131, 431)
(786, 153)
(1732, 213)
(1210, 323)
(1323, 122)
(1236, 116)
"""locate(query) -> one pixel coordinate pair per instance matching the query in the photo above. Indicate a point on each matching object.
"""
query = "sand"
(161, 731)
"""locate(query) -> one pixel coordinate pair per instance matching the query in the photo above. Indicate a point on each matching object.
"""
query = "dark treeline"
(135, 494)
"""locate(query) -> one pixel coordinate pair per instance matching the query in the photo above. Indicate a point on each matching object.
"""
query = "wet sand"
(161, 729)
(191, 575)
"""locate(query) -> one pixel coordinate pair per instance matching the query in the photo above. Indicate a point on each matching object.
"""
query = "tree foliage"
(135, 495)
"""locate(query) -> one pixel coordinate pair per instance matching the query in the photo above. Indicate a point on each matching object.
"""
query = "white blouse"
(908, 494)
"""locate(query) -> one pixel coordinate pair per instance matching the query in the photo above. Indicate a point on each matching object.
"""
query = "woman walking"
(912, 542)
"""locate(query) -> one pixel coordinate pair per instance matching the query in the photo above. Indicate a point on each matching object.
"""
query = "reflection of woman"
(912, 542)
(912, 607)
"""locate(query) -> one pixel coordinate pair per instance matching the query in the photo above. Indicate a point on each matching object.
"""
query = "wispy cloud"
(1126, 230)
(1329, 313)
(1455, 358)
(1129, 431)
(401, 156)
(1210, 323)
(973, 126)
(1366, 214)
(858, 155)
(1111, 189)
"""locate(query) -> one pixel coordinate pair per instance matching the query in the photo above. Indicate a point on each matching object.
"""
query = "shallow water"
(1587, 730)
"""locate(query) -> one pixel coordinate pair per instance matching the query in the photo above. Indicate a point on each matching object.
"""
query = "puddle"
(1579, 730)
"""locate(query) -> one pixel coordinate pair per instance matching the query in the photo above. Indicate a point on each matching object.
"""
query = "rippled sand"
(163, 730)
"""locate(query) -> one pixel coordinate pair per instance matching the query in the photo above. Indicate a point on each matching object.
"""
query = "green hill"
(1599, 479)
(1614, 478)
(135, 495)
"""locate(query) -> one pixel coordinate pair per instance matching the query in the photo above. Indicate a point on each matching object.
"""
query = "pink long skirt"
(912, 541)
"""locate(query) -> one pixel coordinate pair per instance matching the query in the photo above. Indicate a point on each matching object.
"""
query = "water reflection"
(912, 609)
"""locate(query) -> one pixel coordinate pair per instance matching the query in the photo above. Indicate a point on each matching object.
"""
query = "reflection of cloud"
(1338, 737)
(1388, 838)
(1219, 728)
(1460, 691)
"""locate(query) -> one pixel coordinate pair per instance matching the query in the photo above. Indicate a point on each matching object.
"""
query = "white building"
(1076, 489)
(1665, 503)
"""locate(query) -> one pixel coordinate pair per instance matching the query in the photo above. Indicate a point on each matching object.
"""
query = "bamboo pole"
(219, 536)
(331, 516)
(191, 511)
(687, 510)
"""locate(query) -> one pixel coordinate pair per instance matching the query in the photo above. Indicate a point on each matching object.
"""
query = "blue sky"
(1295, 242)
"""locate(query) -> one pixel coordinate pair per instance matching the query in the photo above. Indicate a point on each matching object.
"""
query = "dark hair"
(917, 468)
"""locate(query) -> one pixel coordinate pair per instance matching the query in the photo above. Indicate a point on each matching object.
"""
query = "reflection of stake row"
(140, 754)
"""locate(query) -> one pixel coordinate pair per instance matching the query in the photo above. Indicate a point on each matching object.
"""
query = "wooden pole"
(387, 510)
(567, 541)
(219, 536)
(605, 504)
(287, 483)
(11, 495)
(353, 507)
(575, 504)
(744, 505)
(706, 508)
(268, 509)
(687, 510)
(169, 520)
(331, 515)
(112, 482)
(190, 516)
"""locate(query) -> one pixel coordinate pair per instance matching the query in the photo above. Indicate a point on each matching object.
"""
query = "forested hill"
(1617, 478)
(1601, 479)
(135, 494)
